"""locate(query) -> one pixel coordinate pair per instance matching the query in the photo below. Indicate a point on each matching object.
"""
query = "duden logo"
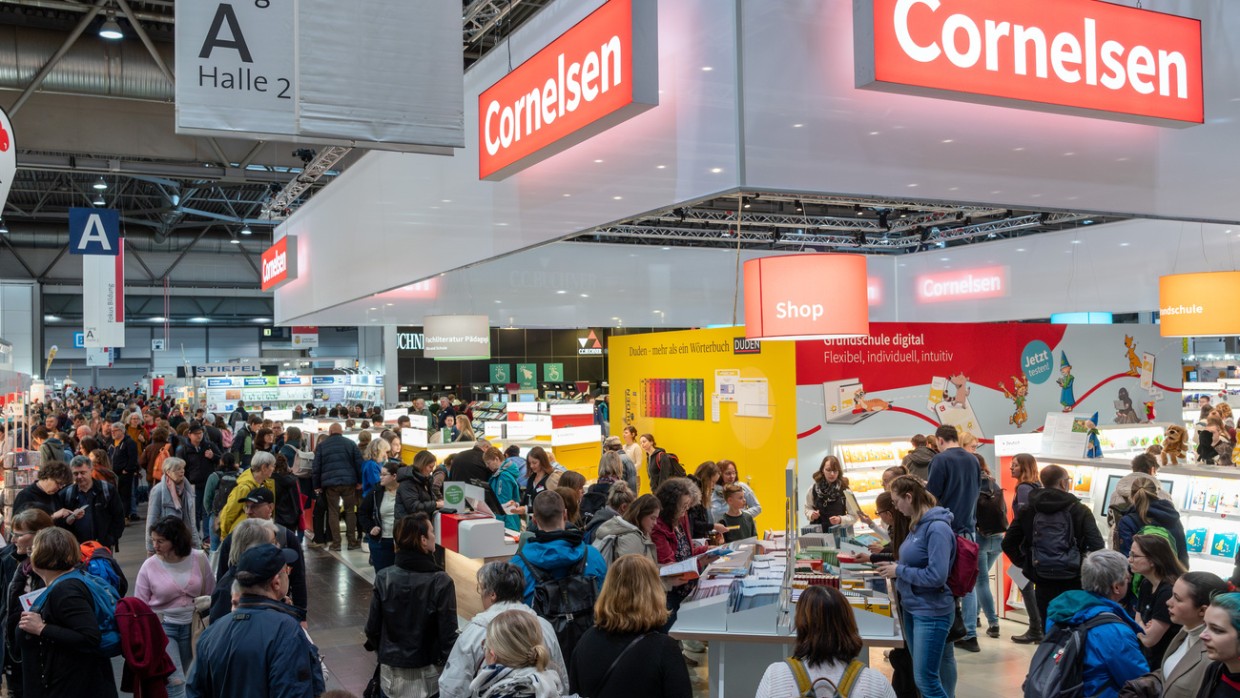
(94, 231)
(589, 345)
(740, 345)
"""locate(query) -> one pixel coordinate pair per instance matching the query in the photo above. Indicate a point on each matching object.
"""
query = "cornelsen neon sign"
(988, 282)
(1072, 56)
(601, 72)
(279, 265)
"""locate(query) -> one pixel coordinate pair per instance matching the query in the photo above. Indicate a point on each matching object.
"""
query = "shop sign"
(589, 345)
(226, 370)
(806, 296)
(598, 74)
(1199, 304)
(279, 267)
(457, 337)
(972, 284)
(1092, 58)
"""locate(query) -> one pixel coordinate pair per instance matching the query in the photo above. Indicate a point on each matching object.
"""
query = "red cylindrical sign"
(806, 296)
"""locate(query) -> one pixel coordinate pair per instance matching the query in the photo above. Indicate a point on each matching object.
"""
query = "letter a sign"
(94, 231)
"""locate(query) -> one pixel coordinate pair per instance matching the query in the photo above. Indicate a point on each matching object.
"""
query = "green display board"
(527, 376)
(553, 372)
(501, 373)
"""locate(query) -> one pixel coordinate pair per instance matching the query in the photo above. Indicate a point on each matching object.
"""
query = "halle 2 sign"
(280, 263)
(1068, 56)
(601, 72)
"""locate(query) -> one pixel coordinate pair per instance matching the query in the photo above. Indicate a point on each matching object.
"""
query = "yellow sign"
(1195, 305)
(747, 403)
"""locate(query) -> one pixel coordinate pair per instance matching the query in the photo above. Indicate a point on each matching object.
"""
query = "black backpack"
(566, 603)
(224, 488)
(1056, 670)
(1053, 550)
(670, 466)
(991, 509)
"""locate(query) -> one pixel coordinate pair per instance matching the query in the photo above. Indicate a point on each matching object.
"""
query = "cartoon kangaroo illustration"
(1134, 361)
(1018, 394)
(961, 381)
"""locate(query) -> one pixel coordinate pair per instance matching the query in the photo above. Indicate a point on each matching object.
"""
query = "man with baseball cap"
(260, 504)
(259, 649)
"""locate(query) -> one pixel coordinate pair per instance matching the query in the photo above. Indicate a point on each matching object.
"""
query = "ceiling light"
(200, 319)
(4, 227)
(1123, 244)
(716, 170)
(100, 184)
(110, 30)
(585, 295)
(50, 318)
(665, 249)
(98, 200)
(561, 292)
(707, 68)
(1020, 249)
(660, 167)
(262, 319)
(245, 230)
(234, 241)
(158, 318)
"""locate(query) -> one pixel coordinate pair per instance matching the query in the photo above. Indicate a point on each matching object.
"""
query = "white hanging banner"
(8, 158)
(103, 299)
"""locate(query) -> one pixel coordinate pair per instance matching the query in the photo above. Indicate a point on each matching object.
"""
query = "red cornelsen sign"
(599, 73)
(280, 263)
(1072, 56)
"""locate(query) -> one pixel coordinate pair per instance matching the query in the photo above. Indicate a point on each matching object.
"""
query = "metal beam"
(59, 256)
(146, 40)
(71, 287)
(4, 239)
(60, 53)
(184, 252)
(316, 168)
(138, 258)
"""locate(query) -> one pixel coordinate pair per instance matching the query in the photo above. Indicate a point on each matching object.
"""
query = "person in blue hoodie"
(503, 483)
(513, 457)
(1149, 510)
(1113, 654)
(554, 550)
(927, 608)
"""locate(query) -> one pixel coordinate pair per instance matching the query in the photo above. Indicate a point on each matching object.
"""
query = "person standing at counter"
(414, 492)
(377, 517)
(469, 467)
(503, 485)
(829, 502)
(632, 449)
(673, 539)
(926, 605)
(1024, 470)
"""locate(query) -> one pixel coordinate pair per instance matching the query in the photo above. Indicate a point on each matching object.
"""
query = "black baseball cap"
(260, 495)
(260, 563)
(194, 427)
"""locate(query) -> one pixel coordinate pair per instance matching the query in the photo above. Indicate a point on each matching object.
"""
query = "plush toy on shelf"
(1175, 446)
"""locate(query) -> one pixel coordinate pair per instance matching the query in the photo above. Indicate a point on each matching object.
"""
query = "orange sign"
(806, 296)
(1075, 56)
(599, 73)
(1195, 305)
(279, 265)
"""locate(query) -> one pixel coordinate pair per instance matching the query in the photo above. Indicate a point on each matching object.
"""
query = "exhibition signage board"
(279, 263)
(8, 157)
(989, 282)
(318, 71)
(1074, 56)
(226, 370)
(305, 337)
(103, 298)
(553, 372)
(1199, 304)
(601, 72)
(806, 295)
(527, 376)
(500, 373)
(456, 337)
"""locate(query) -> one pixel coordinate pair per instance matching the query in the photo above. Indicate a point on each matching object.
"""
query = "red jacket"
(665, 541)
(144, 646)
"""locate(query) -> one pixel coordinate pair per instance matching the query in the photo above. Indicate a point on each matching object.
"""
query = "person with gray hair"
(1112, 655)
(262, 466)
(123, 452)
(250, 533)
(173, 495)
(500, 584)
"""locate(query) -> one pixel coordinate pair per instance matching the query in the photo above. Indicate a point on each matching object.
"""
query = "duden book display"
(674, 398)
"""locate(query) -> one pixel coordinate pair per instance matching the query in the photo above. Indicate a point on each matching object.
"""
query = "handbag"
(902, 673)
(373, 690)
(957, 631)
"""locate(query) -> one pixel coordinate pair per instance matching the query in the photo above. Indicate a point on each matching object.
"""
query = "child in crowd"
(739, 524)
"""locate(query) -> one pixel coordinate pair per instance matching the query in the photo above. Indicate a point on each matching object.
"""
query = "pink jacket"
(156, 588)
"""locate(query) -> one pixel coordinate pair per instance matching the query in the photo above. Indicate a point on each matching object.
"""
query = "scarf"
(172, 492)
(498, 681)
(827, 492)
(416, 561)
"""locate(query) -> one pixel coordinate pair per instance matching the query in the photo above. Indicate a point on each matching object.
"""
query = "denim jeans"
(968, 603)
(214, 532)
(382, 553)
(989, 550)
(180, 652)
(934, 658)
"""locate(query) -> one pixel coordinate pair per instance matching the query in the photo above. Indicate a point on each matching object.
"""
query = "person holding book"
(736, 520)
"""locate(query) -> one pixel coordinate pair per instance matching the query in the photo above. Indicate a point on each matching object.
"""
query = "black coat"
(64, 661)
(651, 669)
(412, 621)
(413, 493)
(288, 509)
(468, 467)
(124, 456)
(368, 510)
(33, 496)
(105, 516)
(337, 463)
(8, 568)
(1020, 533)
(221, 598)
(197, 466)
(24, 580)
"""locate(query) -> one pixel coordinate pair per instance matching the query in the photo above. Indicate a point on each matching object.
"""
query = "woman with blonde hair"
(626, 653)
(517, 662)
(464, 429)
(1150, 510)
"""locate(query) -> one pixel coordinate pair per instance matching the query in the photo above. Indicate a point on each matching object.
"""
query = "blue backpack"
(104, 599)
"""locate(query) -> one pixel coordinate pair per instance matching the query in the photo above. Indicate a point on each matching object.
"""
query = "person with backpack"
(992, 523)
(628, 468)
(825, 655)
(629, 533)
(412, 622)
(927, 608)
(102, 516)
(67, 637)
(245, 440)
(169, 582)
(22, 530)
(594, 499)
(661, 466)
(219, 485)
(627, 651)
(1152, 515)
(172, 496)
(619, 499)
(955, 480)
(562, 574)
(262, 467)
(1090, 638)
(1053, 533)
(500, 585)
(1024, 470)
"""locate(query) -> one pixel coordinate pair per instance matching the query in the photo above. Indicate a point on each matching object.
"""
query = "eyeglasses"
(884, 511)
(1134, 556)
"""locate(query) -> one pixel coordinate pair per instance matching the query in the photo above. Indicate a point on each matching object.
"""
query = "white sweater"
(778, 681)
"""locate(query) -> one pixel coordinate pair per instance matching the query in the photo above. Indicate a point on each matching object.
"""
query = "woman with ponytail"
(1149, 514)
(517, 663)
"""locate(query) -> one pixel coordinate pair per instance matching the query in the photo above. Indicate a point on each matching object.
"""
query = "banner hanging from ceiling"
(94, 233)
(8, 158)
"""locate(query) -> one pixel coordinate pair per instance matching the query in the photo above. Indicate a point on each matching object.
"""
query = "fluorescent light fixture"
(51, 318)
(159, 319)
(200, 319)
(1089, 318)
(262, 319)
(98, 200)
(100, 184)
(4, 227)
(234, 241)
(245, 230)
(110, 30)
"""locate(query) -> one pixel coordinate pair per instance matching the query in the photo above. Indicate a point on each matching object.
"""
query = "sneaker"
(993, 631)
(1029, 638)
(354, 546)
(334, 547)
(969, 644)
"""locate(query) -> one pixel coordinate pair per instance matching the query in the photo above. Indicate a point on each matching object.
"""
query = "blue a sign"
(94, 231)
(79, 340)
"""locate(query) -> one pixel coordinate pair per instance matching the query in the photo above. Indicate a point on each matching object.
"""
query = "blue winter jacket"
(258, 650)
(925, 560)
(371, 470)
(504, 484)
(1112, 652)
(1161, 513)
(337, 463)
(555, 553)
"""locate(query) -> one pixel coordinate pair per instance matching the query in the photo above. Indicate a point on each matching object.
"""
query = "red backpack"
(963, 575)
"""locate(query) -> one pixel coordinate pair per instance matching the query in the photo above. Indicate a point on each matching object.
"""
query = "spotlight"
(245, 230)
(110, 30)
(100, 184)
(98, 200)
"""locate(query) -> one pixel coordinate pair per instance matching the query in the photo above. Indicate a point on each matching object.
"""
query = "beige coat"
(1186, 678)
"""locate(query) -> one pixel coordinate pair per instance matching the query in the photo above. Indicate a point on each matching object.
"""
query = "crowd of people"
(581, 609)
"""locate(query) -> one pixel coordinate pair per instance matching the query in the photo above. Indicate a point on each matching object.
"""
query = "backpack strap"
(851, 675)
(804, 687)
(540, 577)
(631, 645)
